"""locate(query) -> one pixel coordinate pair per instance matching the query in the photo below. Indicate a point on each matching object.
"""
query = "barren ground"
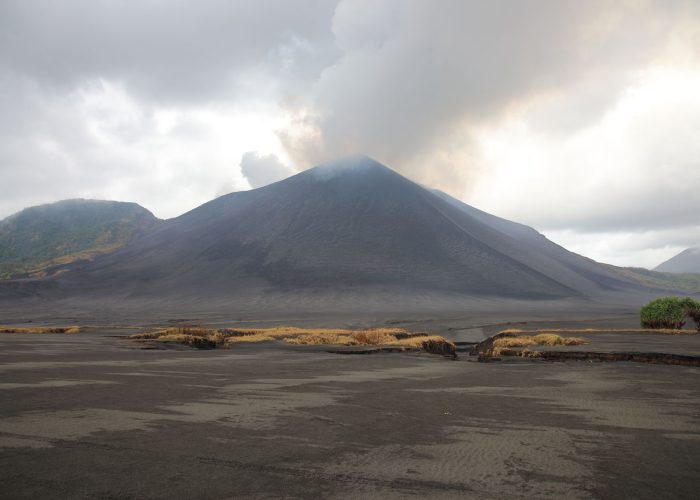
(92, 415)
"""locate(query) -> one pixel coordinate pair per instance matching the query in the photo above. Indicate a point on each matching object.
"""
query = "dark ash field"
(93, 415)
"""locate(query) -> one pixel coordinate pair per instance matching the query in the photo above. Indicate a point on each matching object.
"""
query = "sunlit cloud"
(578, 118)
(633, 171)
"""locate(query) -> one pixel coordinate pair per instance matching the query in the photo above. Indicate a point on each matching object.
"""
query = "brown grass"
(247, 338)
(502, 343)
(430, 343)
(668, 331)
(321, 339)
(434, 344)
(227, 337)
(41, 329)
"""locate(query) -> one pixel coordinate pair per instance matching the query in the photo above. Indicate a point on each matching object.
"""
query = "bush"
(670, 312)
(694, 312)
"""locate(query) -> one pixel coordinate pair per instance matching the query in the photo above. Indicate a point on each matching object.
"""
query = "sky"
(580, 118)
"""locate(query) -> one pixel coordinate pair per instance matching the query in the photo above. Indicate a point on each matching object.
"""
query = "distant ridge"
(688, 261)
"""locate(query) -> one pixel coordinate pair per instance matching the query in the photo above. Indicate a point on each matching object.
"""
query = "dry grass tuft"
(345, 337)
(430, 343)
(419, 340)
(502, 343)
(42, 329)
(668, 331)
(321, 339)
(227, 337)
(515, 331)
(258, 337)
(527, 353)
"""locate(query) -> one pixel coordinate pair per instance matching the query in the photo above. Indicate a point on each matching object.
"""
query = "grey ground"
(93, 416)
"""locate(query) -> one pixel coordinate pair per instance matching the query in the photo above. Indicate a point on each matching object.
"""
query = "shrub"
(693, 310)
(670, 312)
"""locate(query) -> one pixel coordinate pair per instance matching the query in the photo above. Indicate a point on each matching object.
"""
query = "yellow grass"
(552, 339)
(247, 338)
(321, 339)
(344, 337)
(40, 270)
(227, 337)
(41, 329)
(526, 340)
(418, 341)
(668, 331)
(513, 342)
(290, 331)
(365, 337)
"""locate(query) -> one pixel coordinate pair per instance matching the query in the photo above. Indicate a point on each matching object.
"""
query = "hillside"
(688, 261)
(42, 239)
(348, 227)
(688, 282)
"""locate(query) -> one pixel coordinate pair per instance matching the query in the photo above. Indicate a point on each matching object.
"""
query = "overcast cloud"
(580, 118)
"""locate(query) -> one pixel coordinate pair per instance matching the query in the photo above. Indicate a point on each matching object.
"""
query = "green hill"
(39, 240)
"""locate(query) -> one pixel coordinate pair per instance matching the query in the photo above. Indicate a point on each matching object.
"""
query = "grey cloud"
(648, 203)
(175, 55)
(261, 170)
(417, 78)
(411, 83)
(57, 145)
(175, 51)
(641, 248)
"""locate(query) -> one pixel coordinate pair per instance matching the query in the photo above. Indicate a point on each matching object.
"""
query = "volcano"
(688, 261)
(349, 227)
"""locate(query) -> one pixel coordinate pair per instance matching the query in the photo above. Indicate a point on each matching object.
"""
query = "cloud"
(636, 170)
(174, 52)
(579, 118)
(149, 102)
(417, 80)
(261, 170)
(622, 190)
(642, 248)
(99, 142)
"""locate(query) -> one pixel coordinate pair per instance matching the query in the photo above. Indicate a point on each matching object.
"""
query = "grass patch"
(227, 337)
(42, 329)
(669, 331)
(384, 336)
(551, 339)
(247, 339)
(321, 339)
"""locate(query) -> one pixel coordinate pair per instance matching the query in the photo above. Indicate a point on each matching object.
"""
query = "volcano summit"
(343, 233)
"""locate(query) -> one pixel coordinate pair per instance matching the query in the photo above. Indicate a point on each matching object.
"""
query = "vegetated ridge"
(42, 240)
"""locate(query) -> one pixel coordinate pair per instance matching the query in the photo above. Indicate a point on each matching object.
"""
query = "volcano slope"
(688, 261)
(348, 234)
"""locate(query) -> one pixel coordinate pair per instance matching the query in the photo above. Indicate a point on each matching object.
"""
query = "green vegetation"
(39, 240)
(670, 312)
(694, 312)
